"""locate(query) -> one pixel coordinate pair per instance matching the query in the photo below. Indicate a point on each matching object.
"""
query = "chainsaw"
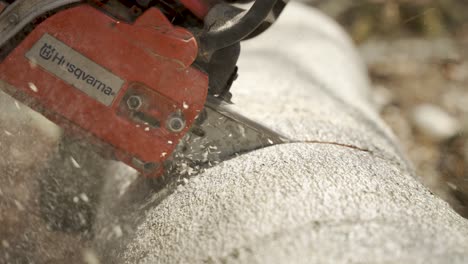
(147, 82)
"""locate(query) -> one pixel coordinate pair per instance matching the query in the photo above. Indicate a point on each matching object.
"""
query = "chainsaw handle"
(234, 31)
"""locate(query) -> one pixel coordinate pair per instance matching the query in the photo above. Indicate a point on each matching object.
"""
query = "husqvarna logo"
(47, 51)
(75, 69)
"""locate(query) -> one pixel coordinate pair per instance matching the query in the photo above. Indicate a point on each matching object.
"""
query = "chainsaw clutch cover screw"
(175, 123)
(134, 102)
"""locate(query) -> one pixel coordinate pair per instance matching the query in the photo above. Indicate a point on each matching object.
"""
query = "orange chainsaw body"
(82, 68)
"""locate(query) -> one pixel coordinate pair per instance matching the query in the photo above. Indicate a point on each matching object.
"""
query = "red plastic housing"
(2, 6)
(151, 57)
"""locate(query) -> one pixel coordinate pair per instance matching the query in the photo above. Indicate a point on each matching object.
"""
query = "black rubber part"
(232, 33)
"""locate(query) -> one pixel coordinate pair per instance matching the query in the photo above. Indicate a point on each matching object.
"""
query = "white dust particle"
(183, 168)
(127, 183)
(75, 163)
(451, 185)
(117, 231)
(242, 130)
(205, 156)
(147, 129)
(33, 63)
(33, 87)
(8, 133)
(89, 257)
(190, 171)
(164, 154)
(169, 142)
(185, 105)
(84, 197)
(270, 141)
(17, 105)
(19, 205)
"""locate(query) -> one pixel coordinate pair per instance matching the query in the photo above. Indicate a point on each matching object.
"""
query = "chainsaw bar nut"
(134, 102)
(175, 123)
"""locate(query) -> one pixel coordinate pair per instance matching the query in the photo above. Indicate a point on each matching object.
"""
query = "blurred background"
(416, 52)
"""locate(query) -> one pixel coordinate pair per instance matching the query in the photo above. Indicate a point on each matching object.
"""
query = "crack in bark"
(336, 144)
